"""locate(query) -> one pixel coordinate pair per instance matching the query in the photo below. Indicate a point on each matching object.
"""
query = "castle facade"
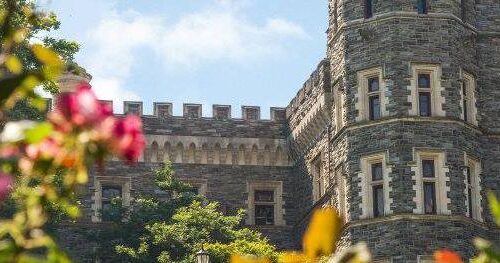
(398, 128)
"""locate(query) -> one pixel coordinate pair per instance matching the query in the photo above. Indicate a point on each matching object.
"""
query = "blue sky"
(237, 52)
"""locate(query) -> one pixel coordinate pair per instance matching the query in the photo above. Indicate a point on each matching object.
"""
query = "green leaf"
(38, 133)
(494, 207)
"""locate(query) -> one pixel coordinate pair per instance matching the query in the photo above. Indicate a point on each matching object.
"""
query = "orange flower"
(447, 256)
(322, 233)
(244, 259)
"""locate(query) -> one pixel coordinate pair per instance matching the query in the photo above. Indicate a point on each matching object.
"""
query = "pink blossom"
(6, 183)
(80, 108)
(128, 139)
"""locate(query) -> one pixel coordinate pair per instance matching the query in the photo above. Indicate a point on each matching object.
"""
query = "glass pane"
(264, 214)
(422, 6)
(465, 110)
(373, 84)
(378, 200)
(428, 168)
(424, 100)
(429, 198)
(264, 196)
(110, 192)
(374, 102)
(468, 171)
(368, 8)
(377, 172)
(424, 81)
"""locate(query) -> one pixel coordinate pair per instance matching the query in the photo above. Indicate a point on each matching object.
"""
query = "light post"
(202, 256)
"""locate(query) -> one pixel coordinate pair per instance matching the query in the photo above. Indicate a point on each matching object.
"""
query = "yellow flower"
(322, 233)
(245, 259)
(293, 257)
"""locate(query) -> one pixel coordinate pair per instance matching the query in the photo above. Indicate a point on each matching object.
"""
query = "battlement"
(194, 111)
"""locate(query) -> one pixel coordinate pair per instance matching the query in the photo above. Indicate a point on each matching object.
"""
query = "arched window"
(192, 153)
(154, 152)
(204, 154)
(216, 154)
(167, 149)
(229, 154)
(254, 159)
(179, 151)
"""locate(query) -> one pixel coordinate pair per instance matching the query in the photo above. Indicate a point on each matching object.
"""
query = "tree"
(174, 228)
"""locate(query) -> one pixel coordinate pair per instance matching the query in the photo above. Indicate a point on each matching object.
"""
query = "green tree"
(174, 228)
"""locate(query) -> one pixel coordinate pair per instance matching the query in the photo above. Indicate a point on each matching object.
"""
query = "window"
(264, 207)
(370, 95)
(375, 186)
(265, 203)
(463, 9)
(472, 188)
(107, 189)
(422, 6)
(341, 191)
(425, 97)
(319, 181)
(339, 97)
(368, 8)
(469, 109)
(430, 183)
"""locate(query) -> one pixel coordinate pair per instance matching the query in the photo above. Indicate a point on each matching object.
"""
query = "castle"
(398, 128)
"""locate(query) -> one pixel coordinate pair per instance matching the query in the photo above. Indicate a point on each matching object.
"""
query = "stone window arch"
(191, 155)
(229, 154)
(204, 154)
(241, 155)
(179, 151)
(254, 157)
(167, 149)
(154, 152)
(279, 156)
(267, 155)
(216, 154)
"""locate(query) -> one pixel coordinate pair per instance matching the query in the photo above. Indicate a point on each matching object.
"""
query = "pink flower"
(79, 108)
(128, 139)
(6, 183)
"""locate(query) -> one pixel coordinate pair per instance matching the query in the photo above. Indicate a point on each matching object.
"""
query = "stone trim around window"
(363, 94)
(475, 165)
(118, 181)
(437, 99)
(469, 114)
(441, 179)
(279, 211)
(365, 184)
(339, 107)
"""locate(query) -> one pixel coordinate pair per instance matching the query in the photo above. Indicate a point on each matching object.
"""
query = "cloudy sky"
(237, 52)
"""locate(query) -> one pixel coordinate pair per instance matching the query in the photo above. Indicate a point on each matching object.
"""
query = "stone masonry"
(315, 152)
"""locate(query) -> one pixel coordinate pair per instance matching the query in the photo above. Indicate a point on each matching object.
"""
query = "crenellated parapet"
(309, 111)
(216, 150)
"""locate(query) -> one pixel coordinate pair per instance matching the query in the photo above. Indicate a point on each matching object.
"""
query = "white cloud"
(218, 34)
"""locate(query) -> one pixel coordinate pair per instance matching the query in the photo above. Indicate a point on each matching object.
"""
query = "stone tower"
(401, 128)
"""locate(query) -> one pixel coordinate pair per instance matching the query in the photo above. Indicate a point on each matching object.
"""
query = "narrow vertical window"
(424, 95)
(472, 188)
(341, 191)
(429, 186)
(463, 9)
(368, 8)
(465, 101)
(377, 189)
(422, 6)
(264, 207)
(469, 190)
(374, 98)
(468, 99)
(109, 194)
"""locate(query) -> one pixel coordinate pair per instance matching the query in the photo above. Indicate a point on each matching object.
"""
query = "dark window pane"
(469, 197)
(264, 214)
(422, 6)
(378, 200)
(377, 172)
(368, 8)
(424, 81)
(373, 84)
(428, 168)
(424, 100)
(110, 192)
(468, 171)
(264, 196)
(374, 103)
(429, 198)
(464, 102)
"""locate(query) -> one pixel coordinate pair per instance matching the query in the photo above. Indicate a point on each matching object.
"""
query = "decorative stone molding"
(475, 183)
(162, 109)
(437, 98)
(192, 111)
(216, 150)
(278, 114)
(250, 113)
(221, 112)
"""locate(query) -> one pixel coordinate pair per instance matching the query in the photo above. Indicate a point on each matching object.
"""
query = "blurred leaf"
(322, 233)
(494, 207)
(358, 253)
(38, 133)
(488, 252)
(446, 256)
(45, 55)
(14, 64)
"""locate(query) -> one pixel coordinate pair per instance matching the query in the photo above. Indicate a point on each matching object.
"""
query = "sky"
(231, 52)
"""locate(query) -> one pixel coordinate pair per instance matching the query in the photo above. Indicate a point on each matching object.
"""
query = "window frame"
(422, 10)
(468, 103)
(364, 95)
(264, 203)
(277, 188)
(124, 182)
(368, 185)
(369, 9)
(436, 98)
(474, 186)
(341, 192)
